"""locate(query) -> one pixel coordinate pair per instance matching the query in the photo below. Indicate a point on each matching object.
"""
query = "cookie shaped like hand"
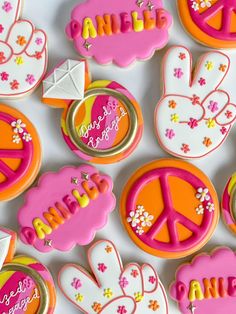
(194, 116)
(23, 52)
(114, 289)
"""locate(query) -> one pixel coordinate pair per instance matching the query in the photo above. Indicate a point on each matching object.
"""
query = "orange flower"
(96, 307)
(108, 249)
(207, 142)
(21, 40)
(154, 305)
(172, 104)
(223, 67)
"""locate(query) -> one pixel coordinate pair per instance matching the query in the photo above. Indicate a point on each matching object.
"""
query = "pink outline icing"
(220, 264)
(123, 48)
(80, 227)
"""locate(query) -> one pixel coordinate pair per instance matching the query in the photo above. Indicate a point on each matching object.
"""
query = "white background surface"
(143, 80)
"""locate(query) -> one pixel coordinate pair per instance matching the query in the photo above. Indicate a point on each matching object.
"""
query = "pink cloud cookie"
(67, 208)
(115, 289)
(23, 52)
(194, 115)
(112, 31)
(207, 284)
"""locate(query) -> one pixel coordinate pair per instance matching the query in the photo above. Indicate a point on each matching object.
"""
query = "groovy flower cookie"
(23, 52)
(228, 204)
(115, 289)
(211, 22)
(194, 115)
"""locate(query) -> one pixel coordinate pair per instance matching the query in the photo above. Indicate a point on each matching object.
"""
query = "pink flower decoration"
(228, 114)
(123, 282)
(121, 309)
(30, 79)
(185, 148)
(178, 73)
(14, 84)
(102, 267)
(195, 100)
(76, 283)
(170, 133)
(213, 106)
(134, 273)
(7, 7)
(182, 56)
(193, 123)
(4, 76)
(1, 28)
(152, 279)
(223, 130)
(202, 81)
(38, 41)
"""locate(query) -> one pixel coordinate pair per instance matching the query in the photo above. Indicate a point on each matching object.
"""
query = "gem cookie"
(116, 289)
(229, 203)
(116, 36)
(210, 22)
(20, 153)
(157, 217)
(23, 52)
(101, 122)
(207, 284)
(74, 204)
(26, 286)
(194, 116)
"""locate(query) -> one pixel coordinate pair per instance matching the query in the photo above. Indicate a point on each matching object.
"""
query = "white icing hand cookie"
(194, 116)
(23, 52)
(128, 290)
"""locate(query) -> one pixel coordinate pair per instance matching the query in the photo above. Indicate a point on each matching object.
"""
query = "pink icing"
(170, 215)
(219, 265)
(201, 19)
(123, 45)
(81, 223)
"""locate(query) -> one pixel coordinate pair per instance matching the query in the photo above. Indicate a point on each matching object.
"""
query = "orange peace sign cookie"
(20, 153)
(211, 22)
(169, 208)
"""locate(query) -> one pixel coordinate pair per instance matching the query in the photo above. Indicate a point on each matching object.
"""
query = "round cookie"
(26, 286)
(169, 208)
(74, 204)
(207, 284)
(23, 52)
(20, 153)
(102, 122)
(228, 204)
(210, 22)
(195, 115)
(132, 289)
(113, 32)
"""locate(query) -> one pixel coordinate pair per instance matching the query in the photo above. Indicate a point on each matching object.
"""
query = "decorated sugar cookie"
(23, 52)
(20, 153)
(229, 203)
(195, 115)
(210, 22)
(26, 286)
(101, 121)
(67, 208)
(156, 215)
(115, 289)
(112, 32)
(207, 284)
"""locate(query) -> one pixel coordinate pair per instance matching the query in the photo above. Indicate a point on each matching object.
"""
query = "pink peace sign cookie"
(115, 289)
(207, 284)
(23, 52)
(112, 31)
(194, 116)
(157, 217)
(74, 204)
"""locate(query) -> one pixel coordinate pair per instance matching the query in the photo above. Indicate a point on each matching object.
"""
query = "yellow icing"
(195, 291)
(41, 228)
(138, 24)
(232, 183)
(82, 200)
(88, 29)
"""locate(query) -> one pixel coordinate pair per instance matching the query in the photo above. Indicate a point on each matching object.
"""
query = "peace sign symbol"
(174, 228)
(211, 23)
(20, 153)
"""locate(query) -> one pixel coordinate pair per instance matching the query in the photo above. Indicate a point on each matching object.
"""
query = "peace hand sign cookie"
(159, 219)
(211, 22)
(23, 52)
(20, 153)
(194, 116)
(115, 289)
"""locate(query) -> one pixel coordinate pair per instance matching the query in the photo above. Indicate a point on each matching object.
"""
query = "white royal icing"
(5, 239)
(132, 289)
(194, 116)
(23, 52)
(66, 82)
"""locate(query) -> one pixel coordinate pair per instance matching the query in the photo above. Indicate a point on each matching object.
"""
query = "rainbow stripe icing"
(228, 204)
